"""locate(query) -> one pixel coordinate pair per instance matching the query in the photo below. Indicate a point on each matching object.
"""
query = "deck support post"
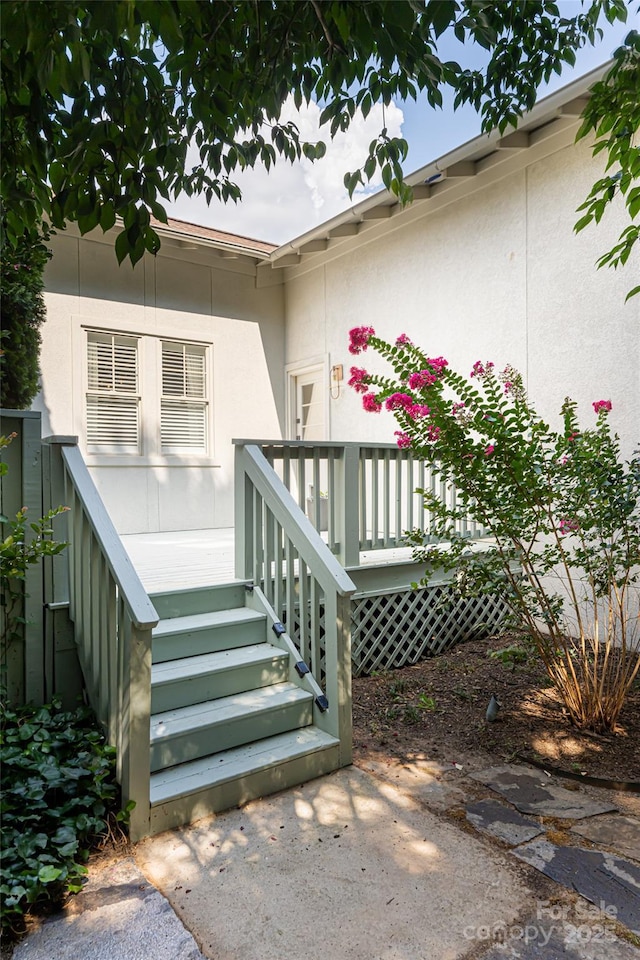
(348, 506)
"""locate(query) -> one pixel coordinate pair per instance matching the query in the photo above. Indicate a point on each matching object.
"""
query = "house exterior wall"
(496, 274)
(186, 295)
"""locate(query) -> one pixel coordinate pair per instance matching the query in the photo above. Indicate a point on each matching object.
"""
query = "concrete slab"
(344, 867)
(117, 916)
(621, 834)
(606, 880)
(503, 822)
(422, 779)
(531, 791)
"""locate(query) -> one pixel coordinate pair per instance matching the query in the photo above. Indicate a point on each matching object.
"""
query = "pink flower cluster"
(402, 340)
(404, 440)
(417, 410)
(488, 450)
(602, 406)
(359, 379)
(423, 379)
(481, 369)
(359, 338)
(370, 403)
(398, 401)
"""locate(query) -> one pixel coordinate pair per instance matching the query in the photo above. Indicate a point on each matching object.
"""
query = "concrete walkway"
(349, 866)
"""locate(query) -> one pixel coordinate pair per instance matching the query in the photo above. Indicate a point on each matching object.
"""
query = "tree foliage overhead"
(613, 114)
(101, 101)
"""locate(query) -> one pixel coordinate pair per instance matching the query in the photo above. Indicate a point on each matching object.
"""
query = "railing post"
(348, 505)
(63, 675)
(135, 719)
(243, 517)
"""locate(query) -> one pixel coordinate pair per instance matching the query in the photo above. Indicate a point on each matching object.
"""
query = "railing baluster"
(386, 497)
(314, 630)
(363, 478)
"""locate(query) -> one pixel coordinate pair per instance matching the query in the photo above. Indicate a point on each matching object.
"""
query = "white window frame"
(149, 358)
(193, 399)
(113, 394)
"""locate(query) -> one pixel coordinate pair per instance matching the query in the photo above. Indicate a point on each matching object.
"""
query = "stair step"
(234, 764)
(188, 733)
(178, 683)
(184, 603)
(200, 633)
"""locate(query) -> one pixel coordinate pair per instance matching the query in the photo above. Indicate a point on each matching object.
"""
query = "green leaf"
(48, 874)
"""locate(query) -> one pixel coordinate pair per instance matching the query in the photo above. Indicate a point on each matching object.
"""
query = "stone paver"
(532, 792)
(118, 916)
(502, 821)
(604, 879)
(621, 834)
(575, 939)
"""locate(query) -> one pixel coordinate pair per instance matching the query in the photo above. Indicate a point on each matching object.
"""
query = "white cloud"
(289, 199)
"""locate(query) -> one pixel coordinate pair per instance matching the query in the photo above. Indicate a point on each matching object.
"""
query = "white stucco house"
(157, 368)
(223, 690)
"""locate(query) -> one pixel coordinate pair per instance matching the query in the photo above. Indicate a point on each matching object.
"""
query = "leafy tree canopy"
(100, 101)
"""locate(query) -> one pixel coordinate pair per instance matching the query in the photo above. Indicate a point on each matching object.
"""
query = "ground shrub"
(58, 792)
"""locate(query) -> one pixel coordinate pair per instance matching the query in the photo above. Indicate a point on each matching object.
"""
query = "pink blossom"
(508, 386)
(359, 338)
(438, 364)
(481, 369)
(433, 433)
(418, 410)
(423, 379)
(602, 406)
(488, 450)
(359, 379)
(370, 403)
(402, 339)
(404, 440)
(398, 401)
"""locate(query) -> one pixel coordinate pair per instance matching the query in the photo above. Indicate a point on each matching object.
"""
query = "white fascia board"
(548, 109)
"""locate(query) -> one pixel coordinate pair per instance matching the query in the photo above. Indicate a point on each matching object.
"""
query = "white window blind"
(183, 405)
(113, 400)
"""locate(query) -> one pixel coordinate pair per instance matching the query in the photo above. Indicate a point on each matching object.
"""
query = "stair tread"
(172, 723)
(186, 778)
(202, 621)
(187, 668)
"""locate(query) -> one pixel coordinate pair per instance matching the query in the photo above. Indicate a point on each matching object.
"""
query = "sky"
(290, 199)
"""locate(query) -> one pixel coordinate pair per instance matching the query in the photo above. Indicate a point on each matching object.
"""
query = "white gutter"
(545, 110)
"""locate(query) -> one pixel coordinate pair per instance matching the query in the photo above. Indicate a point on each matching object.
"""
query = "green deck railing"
(279, 550)
(361, 496)
(113, 618)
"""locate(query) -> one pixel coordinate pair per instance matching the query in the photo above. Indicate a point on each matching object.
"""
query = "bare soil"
(436, 710)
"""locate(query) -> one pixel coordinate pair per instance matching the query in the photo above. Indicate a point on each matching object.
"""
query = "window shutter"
(183, 406)
(113, 402)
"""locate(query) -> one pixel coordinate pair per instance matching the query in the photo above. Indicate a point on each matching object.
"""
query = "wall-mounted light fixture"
(336, 380)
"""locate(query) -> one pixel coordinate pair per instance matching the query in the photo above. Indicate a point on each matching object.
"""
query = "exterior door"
(309, 405)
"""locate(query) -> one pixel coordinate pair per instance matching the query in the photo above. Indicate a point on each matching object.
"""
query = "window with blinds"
(113, 399)
(183, 405)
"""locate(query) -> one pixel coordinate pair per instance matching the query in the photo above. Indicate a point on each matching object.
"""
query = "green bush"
(57, 794)
(23, 312)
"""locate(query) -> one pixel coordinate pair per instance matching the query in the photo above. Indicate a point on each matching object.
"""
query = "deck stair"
(234, 715)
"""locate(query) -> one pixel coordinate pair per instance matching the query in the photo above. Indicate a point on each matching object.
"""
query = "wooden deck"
(203, 558)
(182, 558)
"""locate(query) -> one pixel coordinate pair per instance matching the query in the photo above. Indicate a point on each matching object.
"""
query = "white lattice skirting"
(394, 630)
